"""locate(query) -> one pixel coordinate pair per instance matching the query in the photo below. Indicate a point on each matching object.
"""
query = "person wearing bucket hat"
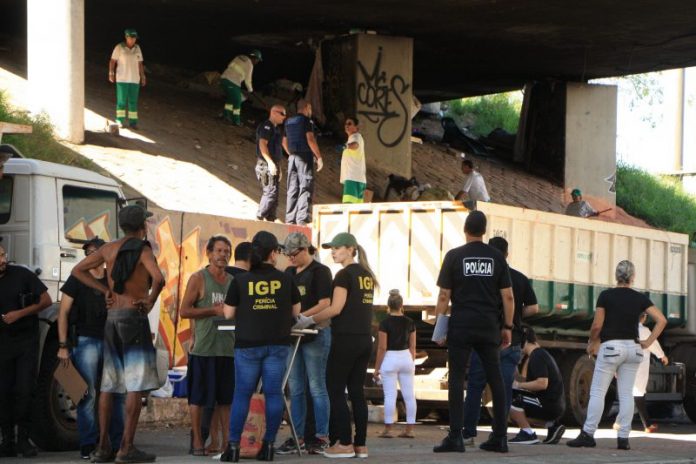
(579, 207)
(264, 303)
(127, 71)
(313, 279)
(81, 321)
(614, 341)
(351, 344)
(239, 70)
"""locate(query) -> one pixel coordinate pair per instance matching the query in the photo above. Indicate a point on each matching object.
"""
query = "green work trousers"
(127, 103)
(233, 102)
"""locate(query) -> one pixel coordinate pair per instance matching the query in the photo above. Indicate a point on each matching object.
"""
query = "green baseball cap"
(256, 53)
(342, 239)
(131, 33)
(576, 193)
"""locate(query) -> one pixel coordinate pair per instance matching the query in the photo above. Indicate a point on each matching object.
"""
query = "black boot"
(266, 451)
(496, 444)
(24, 446)
(231, 454)
(622, 444)
(452, 443)
(8, 449)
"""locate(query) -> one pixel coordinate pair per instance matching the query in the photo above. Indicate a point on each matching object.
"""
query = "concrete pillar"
(371, 77)
(590, 143)
(56, 64)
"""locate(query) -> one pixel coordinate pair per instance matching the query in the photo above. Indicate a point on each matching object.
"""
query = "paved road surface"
(676, 443)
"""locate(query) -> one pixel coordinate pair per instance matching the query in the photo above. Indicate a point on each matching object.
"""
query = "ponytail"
(395, 301)
(259, 255)
(362, 260)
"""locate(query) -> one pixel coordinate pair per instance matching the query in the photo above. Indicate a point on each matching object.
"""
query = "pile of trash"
(400, 188)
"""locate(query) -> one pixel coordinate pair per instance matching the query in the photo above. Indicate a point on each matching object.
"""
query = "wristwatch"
(64, 344)
(507, 327)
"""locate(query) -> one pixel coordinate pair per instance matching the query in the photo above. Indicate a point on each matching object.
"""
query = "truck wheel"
(576, 369)
(687, 354)
(55, 415)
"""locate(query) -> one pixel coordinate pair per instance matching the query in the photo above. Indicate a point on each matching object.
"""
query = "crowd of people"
(103, 329)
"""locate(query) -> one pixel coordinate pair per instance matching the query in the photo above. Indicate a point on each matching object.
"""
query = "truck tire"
(55, 424)
(687, 354)
(576, 369)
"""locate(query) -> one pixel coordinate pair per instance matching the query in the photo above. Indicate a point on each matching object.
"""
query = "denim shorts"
(130, 361)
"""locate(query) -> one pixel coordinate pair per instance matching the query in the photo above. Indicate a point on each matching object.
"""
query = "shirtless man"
(135, 282)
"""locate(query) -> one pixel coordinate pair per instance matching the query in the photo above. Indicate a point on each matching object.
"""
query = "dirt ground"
(179, 126)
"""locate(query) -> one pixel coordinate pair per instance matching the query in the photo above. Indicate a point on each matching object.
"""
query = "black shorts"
(210, 380)
(534, 408)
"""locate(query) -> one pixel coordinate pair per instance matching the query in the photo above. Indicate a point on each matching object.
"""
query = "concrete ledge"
(160, 411)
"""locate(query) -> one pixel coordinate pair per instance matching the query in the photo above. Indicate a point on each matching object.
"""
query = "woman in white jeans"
(614, 340)
(396, 353)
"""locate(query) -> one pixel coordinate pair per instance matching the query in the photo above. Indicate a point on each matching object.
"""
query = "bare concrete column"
(56, 64)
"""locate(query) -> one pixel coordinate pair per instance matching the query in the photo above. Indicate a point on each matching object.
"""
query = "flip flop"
(199, 452)
(212, 451)
(406, 435)
(385, 434)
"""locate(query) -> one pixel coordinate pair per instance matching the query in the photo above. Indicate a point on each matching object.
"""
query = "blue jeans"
(265, 362)
(88, 357)
(476, 383)
(310, 367)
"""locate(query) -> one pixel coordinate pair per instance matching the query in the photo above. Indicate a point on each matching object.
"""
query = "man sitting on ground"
(540, 398)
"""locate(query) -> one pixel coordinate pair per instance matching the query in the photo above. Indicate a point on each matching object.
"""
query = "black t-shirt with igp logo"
(475, 272)
(264, 298)
(356, 317)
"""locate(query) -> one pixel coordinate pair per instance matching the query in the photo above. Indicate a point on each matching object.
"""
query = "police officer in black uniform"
(269, 153)
(22, 297)
(476, 278)
(300, 143)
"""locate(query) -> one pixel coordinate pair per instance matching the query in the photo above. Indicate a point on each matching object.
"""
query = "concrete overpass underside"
(461, 48)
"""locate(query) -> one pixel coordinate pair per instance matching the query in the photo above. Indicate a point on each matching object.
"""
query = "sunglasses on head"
(282, 113)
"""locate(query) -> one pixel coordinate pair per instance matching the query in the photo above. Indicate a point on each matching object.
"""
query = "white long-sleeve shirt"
(239, 70)
(641, 383)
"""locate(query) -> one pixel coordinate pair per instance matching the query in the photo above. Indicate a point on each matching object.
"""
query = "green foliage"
(659, 201)
(40, 144)
(488, 112)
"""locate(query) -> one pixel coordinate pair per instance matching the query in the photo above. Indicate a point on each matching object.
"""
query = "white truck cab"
(47, 211)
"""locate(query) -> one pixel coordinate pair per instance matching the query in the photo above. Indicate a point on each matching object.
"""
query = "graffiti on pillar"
(612, 183)
(382, 101)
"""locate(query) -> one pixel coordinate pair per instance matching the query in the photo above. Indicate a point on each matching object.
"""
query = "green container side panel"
(566, 306)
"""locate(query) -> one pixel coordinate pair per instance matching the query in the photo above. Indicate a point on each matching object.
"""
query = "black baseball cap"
(133, 217)
(266, 241)
(95, 242)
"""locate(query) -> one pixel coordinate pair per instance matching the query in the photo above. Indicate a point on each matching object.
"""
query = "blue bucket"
(178, 379)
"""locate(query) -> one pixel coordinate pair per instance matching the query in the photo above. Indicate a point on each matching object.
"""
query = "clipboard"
(71, 381)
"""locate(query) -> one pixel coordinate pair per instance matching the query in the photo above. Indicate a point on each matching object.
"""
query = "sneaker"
(289, 447)
(318, 446)
(339, 451)
(525, 438)
(26, 448)
(468, 439)
(360, 451)
(584, 440)
(554, 434)
(85, 451)
(495, 444)
(622, 444)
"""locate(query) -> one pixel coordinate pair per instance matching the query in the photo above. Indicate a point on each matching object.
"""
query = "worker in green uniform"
(127, 72)
(239, 70)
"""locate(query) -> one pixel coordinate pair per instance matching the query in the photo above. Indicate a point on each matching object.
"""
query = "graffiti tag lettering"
(383, 101)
